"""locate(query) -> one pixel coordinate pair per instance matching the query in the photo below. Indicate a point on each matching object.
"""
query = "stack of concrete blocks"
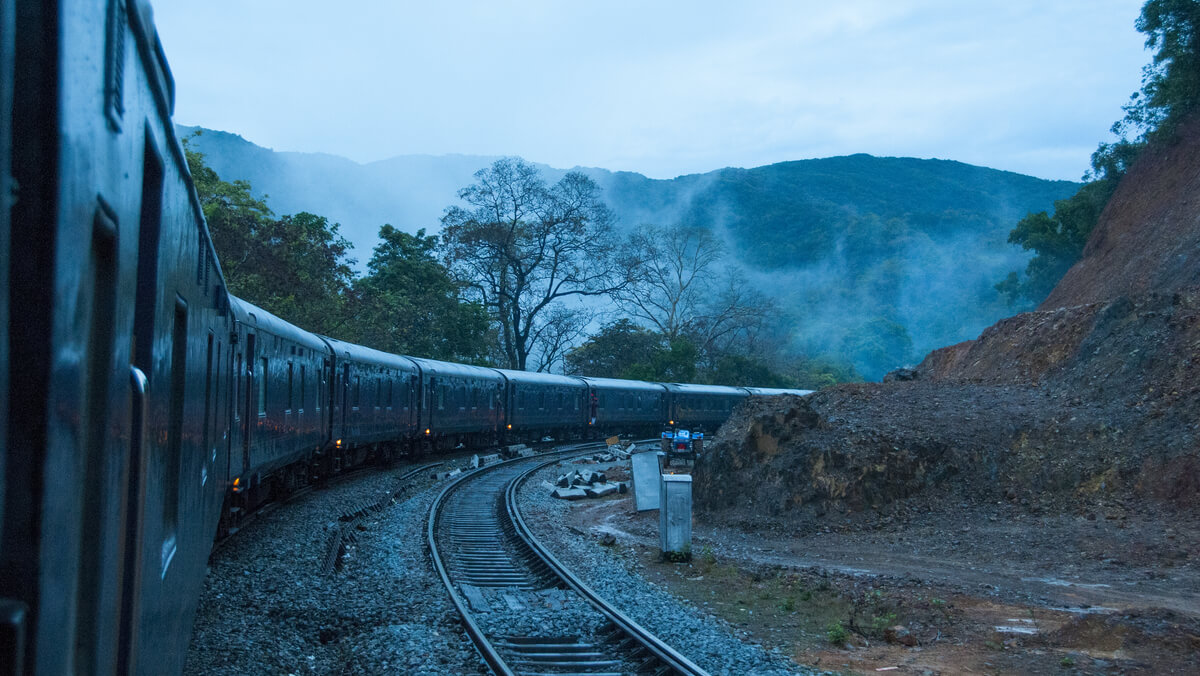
(578, 485)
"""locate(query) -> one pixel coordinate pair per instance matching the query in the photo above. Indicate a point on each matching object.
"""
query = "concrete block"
(675, 514)
(600, 490)
(646, 480)
(569, 493)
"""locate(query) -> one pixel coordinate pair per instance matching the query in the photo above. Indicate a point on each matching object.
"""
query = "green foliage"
(298, 267)
(623, 349)
(879, 345)
(613, 351)
(408, 304)
(234, 216)
(1058, 239)
(1170, 92)
(1171, 81)
(837, 634)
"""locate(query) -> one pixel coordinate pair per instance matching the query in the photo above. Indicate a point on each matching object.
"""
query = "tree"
(234, 215)
(1058, 241)
(680, 287)
(1170, 92)
(523, 247)
(613, 351)
(296, 267)
(1171, 81)
(408, 304)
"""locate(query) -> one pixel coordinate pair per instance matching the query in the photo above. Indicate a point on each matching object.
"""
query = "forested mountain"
(871, 260)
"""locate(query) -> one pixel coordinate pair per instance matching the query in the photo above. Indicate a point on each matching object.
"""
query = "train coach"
(116, 363)
(144, 408)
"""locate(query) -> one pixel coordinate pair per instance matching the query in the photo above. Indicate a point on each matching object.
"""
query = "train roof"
(531, 378)
(250, 314)
(366, 355)
(775, 391)
(686, 388)
(445, 368)
(619, 384)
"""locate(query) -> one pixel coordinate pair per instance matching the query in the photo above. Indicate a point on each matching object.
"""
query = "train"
(145, 409)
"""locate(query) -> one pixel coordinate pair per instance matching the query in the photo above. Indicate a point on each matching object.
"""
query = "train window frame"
(291, 378)
(114, 64)
(261, 386)
(303, 377)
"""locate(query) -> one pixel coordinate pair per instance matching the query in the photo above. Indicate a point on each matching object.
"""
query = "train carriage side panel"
(104, 209)
(378, 388)
(625, 406)
(543, 403)
(280, 387)
(458, 403)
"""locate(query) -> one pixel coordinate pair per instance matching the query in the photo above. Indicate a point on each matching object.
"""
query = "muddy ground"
(1006, 594)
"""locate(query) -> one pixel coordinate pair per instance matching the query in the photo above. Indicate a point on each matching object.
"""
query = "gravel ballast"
(709, 642)
(268, 609)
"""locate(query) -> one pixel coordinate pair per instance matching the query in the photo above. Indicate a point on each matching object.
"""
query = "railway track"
(525, 612)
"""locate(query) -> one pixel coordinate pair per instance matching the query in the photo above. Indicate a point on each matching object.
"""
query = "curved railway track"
(525, 612)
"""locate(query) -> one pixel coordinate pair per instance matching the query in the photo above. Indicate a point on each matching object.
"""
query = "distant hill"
(872, 259)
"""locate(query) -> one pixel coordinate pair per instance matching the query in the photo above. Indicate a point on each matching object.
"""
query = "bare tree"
(681, 288)
(559, 330)
(523, 246)
(673, 281)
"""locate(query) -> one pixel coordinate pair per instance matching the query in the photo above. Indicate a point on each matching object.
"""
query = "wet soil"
(1006, 594)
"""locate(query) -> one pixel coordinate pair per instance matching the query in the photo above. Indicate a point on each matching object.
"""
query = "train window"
(114, 65)
(576, 398)
(441, 398)
(207, 391)
(174, 461)
(391, 392)
(291, 386)
(303, 377)
(237, 388)
(262, 388)
(357, 392)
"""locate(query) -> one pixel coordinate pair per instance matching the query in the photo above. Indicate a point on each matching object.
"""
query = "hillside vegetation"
(871, 261)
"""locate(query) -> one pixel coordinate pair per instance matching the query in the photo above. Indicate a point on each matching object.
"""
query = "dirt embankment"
(1060, 449)
(1093, 398)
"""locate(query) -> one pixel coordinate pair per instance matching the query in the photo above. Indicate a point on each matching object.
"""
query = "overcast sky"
(662, 88)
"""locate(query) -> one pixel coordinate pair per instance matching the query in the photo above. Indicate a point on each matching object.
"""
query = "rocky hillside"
(1090, 402)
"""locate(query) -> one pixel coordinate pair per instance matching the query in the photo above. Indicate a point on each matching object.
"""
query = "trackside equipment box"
(675, 515)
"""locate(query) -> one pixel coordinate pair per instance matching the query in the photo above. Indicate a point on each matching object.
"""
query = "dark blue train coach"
(144, 409)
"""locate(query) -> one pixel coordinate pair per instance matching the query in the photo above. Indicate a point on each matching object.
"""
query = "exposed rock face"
(1148, 238)
(1093, 398)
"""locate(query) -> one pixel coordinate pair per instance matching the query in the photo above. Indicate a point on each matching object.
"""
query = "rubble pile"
(1090, 403)
(578, 485)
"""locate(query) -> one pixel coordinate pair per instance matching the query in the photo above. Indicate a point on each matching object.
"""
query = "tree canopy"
(524, 247)
(408, 304)
(1170, 92)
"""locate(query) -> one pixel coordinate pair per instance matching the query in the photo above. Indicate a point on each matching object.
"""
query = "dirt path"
(1008, 593)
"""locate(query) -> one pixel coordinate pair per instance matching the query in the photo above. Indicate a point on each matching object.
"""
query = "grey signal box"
(675, 514)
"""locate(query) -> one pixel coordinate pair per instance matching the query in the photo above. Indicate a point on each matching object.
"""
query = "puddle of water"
(1004, 629)
(1065, 583)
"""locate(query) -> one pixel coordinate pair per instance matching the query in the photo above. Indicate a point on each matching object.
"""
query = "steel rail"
(663, 653)
(668, 655)
(486, 650)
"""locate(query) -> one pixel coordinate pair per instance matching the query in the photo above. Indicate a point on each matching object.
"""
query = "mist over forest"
(867, 260)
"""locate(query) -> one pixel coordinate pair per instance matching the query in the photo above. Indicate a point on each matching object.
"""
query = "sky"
(662, 88)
